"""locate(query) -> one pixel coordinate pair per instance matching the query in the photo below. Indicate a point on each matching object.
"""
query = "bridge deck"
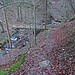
(29, 26)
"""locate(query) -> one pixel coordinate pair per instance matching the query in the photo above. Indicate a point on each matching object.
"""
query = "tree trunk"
(18, 14)
(8, 34)
(25, 15)
(21, 13)
(46, 15)
(35, 24)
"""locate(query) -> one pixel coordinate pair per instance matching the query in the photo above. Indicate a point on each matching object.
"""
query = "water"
(17, 36)
(13, 39)
(53, 22)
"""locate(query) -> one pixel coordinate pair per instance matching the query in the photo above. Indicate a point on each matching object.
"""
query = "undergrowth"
(16, 66)
(70, 42)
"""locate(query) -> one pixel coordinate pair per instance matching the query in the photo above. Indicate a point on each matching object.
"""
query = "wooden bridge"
(27, 26)
(38, 26)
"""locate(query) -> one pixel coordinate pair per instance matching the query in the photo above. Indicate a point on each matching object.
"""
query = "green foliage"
(70, 42)
(73, 18)
(16, 66)
(3, 72)
(57, 21)
(46, 34)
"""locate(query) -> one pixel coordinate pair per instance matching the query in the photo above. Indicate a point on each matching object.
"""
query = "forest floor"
(54, 53)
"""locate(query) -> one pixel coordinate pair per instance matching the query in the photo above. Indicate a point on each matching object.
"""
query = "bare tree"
(35, 24)
(46, 15)
(7, 26)
(20, 12)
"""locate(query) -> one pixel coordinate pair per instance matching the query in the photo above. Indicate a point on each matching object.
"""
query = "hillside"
(54, 55)
(37, 37)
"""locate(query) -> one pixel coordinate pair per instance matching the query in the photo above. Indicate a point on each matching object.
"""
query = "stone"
(44, 63)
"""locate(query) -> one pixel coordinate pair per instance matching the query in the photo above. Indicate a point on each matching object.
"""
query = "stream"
(19, 39)
(14, 40)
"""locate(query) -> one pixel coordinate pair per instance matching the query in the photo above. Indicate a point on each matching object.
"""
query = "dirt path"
(40, 61)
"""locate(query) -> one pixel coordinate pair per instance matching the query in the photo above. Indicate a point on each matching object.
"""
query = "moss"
(16, 66)
(3, 72)
(46, 34)
(70, 42)
(3, 40)
(73, 18)
(57, 21)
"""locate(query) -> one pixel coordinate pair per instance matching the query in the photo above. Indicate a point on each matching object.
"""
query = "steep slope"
(52, 56)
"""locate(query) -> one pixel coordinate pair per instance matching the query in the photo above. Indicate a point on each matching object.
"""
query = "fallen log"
(20, 40)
